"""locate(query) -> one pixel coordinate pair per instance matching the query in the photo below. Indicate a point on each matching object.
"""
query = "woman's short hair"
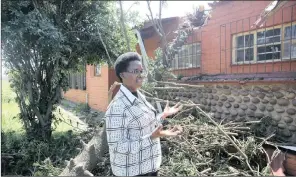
(122, 62)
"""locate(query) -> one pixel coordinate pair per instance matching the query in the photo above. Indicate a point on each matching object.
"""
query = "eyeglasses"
(139, 73)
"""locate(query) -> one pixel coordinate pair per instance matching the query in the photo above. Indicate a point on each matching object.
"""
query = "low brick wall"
(247, 103)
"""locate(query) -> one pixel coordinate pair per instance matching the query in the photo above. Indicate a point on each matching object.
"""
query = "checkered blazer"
(130, 122)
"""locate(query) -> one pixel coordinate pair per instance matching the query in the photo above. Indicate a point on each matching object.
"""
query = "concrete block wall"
(247, 103)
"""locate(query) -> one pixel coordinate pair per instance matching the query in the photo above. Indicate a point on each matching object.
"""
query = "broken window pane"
(273, 39)
(269, 56)
(269, 36)
(260, 41)
(260, 34)
(269, 48)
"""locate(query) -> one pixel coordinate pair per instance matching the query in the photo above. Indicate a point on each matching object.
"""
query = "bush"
(25, 157)
(82, 108)
(179, 77)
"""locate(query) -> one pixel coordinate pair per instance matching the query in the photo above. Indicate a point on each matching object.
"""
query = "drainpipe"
(143, 51)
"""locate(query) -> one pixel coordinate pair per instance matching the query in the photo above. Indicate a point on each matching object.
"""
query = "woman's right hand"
(176, 130)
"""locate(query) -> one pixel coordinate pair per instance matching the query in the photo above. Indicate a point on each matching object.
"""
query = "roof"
(269, 10)
(148, 24)
(217, 3)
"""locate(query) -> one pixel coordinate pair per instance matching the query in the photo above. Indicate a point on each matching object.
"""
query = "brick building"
(227, 46)
(94, 90)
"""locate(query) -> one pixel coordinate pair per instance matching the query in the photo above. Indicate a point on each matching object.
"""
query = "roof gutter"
(143, 51)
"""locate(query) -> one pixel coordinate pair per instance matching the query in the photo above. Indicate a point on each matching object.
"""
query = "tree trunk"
(40, 128)
(164, 52)
(122, 22)
(92, 153)
(37, 131)
(157, 24)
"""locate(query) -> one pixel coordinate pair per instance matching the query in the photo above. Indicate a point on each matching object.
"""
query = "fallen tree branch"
(185, 85)
(167, 88)
(171, 102)
(205, 171)
(146, 92)
(226, 135)
(187, 110)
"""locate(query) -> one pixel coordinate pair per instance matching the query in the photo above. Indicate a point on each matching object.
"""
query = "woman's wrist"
(163, 116)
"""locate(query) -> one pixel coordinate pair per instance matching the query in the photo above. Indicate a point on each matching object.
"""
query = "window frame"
(293, 41)
(95, 70)
(180, 55)
(235, 48)
(255, 46)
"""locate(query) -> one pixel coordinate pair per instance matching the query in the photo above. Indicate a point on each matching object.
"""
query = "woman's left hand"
(168, 111)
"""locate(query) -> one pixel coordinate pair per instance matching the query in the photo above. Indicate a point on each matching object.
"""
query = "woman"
(133, 126)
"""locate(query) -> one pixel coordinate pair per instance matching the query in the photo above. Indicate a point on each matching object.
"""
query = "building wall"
(97, 88)
(245, 14)
(75, 95)
(96, 93)
(238, 17)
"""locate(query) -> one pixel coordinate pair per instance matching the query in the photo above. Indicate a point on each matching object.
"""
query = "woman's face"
(134, 75)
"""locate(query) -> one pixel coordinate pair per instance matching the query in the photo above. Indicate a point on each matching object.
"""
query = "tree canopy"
(42, 41)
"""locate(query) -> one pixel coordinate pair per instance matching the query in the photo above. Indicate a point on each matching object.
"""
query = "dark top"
(135, 94)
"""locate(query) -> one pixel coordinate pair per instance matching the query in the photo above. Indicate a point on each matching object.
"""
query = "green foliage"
(82, 108)
(179, 77)
(131, 18)
(42, 41)
(148, 86)
(194, 19)
(38, 158)
(157, 70)
(10, 121)
(46, 168)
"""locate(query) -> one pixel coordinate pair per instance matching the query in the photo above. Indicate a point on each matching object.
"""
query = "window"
(269, 44)
(265, 45)
(245, 48)
(289, 42)
(98, 70)
(77, 81)
(187, 57)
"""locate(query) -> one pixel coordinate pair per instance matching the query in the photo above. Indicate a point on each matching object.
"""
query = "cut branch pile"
(206, 147)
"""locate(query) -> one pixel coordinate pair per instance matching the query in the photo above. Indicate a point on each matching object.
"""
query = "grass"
(32, 157)
(10, 110)
(10, 121)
